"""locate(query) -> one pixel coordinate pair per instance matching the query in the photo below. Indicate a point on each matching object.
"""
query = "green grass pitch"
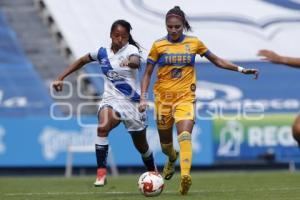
(275, 185)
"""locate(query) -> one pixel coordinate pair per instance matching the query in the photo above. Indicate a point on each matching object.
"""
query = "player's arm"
(58, 83)
(132, 62)
(153, 57)
(225, 64)
(145, 85)
(279, 59)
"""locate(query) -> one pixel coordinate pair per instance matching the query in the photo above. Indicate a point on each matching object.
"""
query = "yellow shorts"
(168, 112)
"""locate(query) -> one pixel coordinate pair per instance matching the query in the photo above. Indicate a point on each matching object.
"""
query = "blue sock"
(101, 155)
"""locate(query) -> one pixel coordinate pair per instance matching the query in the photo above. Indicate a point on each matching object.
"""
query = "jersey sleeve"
(93, 55)
(202, 50)
(98, 54)
(153, 55)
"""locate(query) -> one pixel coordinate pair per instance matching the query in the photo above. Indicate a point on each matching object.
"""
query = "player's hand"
(269, 56)
(255, 72)
(124, 63)
(143, 105)
(57, 85)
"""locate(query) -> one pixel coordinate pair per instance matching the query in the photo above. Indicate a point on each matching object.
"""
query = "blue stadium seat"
(22, 92)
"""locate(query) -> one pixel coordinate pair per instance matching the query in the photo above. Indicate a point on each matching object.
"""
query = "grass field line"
(167, 192)
(64, 193)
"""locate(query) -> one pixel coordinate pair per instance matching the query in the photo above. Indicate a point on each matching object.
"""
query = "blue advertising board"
(38, 141)
(249, 140)
(252, 119)
(42, 141)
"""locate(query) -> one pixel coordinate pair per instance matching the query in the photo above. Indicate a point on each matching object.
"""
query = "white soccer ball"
(151, 184)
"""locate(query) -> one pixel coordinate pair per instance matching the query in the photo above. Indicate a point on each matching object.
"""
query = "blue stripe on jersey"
(207, 53)
(119, 83)
(103, 60)
(151, 61)
(176, 60)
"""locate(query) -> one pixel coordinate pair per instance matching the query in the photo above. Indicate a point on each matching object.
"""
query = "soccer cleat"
(101, 177)
(169, 168)
(185, 184)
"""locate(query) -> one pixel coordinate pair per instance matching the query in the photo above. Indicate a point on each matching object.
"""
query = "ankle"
(101, 171)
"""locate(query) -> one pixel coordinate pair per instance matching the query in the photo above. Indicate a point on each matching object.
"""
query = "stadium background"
(40, 37)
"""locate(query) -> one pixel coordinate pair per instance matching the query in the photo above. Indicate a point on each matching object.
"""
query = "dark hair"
(128, 28)
(176, 11)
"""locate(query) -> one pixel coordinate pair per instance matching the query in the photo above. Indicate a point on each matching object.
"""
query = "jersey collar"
(175, 41)
(122, 49)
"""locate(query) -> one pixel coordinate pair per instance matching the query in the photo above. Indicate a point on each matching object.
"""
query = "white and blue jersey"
(121, 86)
(119, 82)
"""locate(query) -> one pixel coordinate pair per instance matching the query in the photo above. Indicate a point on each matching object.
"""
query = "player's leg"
(184, 129)
(166, 142)
(165, 126)
(136, 124)
(107, 120)
(141, 144)
(184, 117)
(296, 130)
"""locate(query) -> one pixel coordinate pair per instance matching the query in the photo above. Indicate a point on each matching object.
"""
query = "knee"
(166, 147)
(102, 131)
(184, 136)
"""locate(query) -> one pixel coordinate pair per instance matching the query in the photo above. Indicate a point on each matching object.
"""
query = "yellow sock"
(169, 150)
(185, 143)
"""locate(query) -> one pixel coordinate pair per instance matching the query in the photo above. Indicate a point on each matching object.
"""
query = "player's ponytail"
(177, 12)
(128, 28)
(133, 42)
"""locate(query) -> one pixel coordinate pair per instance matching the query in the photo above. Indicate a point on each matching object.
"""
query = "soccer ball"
(151, 184)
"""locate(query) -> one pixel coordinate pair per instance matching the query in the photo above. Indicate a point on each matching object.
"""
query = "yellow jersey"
(175, 61)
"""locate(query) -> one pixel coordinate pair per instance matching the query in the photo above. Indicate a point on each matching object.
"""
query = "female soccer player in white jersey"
(119, 63)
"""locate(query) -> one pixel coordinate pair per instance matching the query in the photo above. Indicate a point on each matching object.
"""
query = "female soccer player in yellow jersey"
(175, 90)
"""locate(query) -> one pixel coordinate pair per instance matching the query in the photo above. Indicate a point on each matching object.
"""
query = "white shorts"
(128, 111)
